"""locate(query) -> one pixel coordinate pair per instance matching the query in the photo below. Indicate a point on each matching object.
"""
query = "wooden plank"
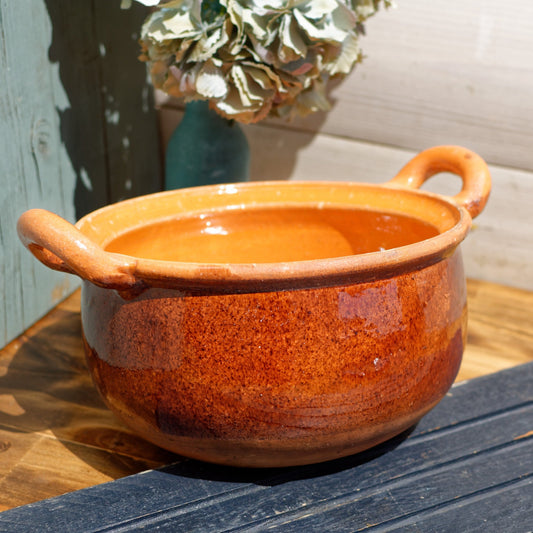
(440, 74)
(51, 414)
(73, 53)
(32, 163)
(130, 126)
(62, 149)
(494, 344)
(482, 513)
(116, 153)
(398, 504)
(46, 459)
(487, 447)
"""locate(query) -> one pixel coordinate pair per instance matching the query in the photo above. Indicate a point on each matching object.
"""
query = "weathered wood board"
(77, 131)
(442, 72)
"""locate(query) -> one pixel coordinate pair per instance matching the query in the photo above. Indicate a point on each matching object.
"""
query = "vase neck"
(200, 110)
(206, 149)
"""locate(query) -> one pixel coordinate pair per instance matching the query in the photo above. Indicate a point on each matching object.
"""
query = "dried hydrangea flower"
(253, 58)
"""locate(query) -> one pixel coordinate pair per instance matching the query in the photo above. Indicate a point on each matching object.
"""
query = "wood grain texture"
(57, 436)
(33, 161)
(441, 73)
(453, 472)
(77, 131)
(52, 419)
(500, 329)
(130, 127)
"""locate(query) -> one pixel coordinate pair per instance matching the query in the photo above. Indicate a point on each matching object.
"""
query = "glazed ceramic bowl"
(273, 323)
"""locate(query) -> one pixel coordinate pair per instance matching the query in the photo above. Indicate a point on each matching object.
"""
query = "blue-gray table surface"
(467, 466)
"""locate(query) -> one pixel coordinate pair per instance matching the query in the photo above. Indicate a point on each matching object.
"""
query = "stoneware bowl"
(273, 323)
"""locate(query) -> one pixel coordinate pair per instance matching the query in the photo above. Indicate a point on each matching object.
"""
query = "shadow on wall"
(110, 128)
(275, 145)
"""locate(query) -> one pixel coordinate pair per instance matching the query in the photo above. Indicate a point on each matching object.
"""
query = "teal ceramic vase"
(206, 149)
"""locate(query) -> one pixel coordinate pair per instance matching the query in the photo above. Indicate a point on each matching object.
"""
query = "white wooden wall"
(436, 72)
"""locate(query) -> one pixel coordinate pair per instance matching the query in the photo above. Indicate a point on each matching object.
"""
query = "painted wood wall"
(436, 72)
(77, 131)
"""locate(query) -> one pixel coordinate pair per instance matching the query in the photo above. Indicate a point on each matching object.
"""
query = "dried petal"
(210, 82)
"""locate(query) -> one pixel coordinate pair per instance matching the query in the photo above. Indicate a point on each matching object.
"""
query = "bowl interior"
(269, 222)
(271, 234)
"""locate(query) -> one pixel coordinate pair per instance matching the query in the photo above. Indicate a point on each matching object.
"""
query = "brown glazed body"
(274, 363)
(278, 378)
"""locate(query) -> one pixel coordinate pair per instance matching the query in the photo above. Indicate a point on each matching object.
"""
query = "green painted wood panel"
(78, 130)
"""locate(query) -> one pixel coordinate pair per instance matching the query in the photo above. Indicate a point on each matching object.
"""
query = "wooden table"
(56, 436)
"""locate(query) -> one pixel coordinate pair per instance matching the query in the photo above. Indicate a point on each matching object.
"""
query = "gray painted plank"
(477, 472)
(481, 512)
(386, 483)
(32, 160)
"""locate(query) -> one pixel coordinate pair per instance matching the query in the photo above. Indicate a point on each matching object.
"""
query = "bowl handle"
(466, 164)
(61, 246)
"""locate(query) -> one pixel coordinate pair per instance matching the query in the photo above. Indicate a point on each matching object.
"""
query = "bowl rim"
(244, 277)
